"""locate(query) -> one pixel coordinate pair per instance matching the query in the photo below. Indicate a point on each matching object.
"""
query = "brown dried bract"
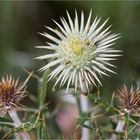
(129, 99)
(11, 92)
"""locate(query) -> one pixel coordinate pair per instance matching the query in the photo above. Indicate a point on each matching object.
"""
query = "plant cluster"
(79, 54)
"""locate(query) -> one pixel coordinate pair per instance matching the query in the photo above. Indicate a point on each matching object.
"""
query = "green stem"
(126, 126)
(43, 89)
(41, 130)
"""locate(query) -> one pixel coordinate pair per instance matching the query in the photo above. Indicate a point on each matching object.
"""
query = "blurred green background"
(20, 22)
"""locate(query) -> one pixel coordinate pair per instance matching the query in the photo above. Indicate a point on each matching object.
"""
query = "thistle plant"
(78, 55)
(129, 103)
(129, 100)
(81, 53)
(11, 93)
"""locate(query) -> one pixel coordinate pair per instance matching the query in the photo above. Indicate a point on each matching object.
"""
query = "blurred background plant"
(20, 22)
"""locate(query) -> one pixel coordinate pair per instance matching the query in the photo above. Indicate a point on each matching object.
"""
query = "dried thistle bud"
(129, 99)
(11, 92)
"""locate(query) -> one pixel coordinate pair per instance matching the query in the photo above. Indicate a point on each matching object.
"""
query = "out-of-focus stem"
(126, 131)
(84, 108)
(42, 92)
(17, 123)
(119, 128)
(126, 126)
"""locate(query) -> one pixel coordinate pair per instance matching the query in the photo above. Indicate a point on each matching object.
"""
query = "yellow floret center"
(76, 52)
(78, 47)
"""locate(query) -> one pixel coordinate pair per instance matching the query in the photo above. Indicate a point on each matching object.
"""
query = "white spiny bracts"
(81, 53)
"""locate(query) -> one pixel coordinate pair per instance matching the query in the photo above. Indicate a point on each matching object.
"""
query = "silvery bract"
(81, 53)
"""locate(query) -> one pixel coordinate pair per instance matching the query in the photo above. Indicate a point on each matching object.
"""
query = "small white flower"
(81, 53)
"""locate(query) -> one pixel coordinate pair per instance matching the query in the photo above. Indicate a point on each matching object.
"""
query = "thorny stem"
(17, 123)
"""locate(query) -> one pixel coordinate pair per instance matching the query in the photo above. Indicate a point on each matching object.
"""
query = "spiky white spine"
(94, 62)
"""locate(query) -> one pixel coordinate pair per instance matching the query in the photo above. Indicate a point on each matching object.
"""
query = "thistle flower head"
(81, 53)
(129, 100)
(11, 92)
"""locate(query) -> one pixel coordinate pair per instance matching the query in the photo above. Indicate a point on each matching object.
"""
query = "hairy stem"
(17, 123)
